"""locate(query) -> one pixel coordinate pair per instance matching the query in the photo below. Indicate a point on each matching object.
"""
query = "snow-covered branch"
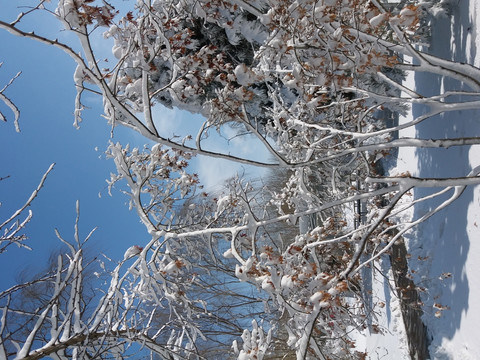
(9, 103)
(13, 227)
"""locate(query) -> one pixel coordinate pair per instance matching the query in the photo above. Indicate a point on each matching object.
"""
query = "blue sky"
(45, 93)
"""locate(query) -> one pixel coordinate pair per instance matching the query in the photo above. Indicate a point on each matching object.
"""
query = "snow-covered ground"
(444, 250)
(449, 242)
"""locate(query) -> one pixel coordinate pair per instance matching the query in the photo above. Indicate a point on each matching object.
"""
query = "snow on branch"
(9, 103)
(12, 227)
(68, 318)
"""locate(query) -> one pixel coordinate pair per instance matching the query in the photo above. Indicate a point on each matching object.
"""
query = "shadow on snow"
(443, 239)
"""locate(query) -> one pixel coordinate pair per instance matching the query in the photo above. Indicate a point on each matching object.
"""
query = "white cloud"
(213, 172)
(176, 122)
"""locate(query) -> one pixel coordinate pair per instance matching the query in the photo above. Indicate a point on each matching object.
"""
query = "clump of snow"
(378, 19)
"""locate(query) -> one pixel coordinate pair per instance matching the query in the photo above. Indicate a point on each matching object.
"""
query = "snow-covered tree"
(64, 313)
(311, 81)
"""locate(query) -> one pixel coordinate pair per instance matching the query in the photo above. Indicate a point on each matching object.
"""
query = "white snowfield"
(445, 250)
